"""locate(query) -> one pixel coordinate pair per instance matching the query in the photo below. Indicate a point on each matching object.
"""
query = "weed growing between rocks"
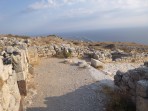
(67, 54)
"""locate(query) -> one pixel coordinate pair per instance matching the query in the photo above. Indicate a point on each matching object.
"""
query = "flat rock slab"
(64, 87)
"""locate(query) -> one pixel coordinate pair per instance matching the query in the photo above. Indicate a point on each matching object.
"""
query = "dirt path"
(63, 87)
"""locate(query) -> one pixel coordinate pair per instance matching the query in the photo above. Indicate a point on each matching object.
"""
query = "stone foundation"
(135, 83)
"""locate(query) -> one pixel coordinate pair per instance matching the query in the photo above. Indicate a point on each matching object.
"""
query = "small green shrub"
(67, 54)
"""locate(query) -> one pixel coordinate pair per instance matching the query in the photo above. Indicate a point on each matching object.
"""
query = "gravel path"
(63, 87)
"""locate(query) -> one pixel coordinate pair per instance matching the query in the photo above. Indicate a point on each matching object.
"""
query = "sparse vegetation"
(67, 54)
(119, 101)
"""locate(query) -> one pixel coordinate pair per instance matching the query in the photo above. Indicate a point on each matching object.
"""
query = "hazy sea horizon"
(137, 35)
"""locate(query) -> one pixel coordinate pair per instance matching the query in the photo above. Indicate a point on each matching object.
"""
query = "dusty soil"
(64, 87)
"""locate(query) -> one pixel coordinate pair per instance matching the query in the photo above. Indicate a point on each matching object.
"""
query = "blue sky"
(52, 16)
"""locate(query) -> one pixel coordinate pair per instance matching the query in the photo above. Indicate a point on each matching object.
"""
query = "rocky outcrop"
(135, 83)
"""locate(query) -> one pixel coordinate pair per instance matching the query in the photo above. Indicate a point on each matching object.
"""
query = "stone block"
(96, 63)
(17, 65)
(142, 88)
(21, 76)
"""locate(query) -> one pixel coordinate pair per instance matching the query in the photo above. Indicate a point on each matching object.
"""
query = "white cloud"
(77, 12)
(73, 1)
(99, 9)
(43, 4)
(100, 4)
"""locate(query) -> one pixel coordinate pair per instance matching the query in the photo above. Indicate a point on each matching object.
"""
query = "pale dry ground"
(64, 87)
(112, 68)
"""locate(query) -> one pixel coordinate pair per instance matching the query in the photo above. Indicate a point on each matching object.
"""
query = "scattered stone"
(96, 63)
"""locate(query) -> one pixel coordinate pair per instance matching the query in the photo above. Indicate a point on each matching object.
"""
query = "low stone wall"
(135, 83)
(59, 50)
(13, 75)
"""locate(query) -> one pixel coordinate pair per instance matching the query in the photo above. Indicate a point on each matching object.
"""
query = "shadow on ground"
(83, 99)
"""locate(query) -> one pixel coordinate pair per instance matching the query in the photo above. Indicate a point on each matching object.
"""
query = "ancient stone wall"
(59, 50)
(135, 83)
(13, 75)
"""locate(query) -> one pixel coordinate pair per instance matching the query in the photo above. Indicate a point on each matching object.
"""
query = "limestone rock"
(16, 60)
(6, 72)
(21, 76)
(5, 97)
(96, 63)
(9, 49)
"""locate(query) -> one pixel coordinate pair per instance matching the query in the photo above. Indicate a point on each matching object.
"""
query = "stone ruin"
(121, 56)
(135, 83)
(14, 65)
(16, 58)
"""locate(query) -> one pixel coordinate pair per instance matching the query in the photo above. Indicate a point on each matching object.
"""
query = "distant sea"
(137, 35)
